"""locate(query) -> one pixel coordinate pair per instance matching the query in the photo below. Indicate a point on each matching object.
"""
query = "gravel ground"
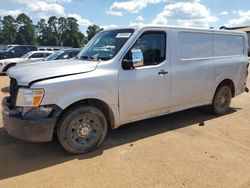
(187, 149)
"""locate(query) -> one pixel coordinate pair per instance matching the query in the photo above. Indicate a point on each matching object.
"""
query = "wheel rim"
(223, 100)
(85, 130)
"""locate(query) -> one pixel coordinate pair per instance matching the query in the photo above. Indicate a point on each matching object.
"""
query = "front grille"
(13, 92)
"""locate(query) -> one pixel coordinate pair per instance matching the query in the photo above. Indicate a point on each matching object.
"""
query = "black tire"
(82, 129)
(222, 100)
(8, 66)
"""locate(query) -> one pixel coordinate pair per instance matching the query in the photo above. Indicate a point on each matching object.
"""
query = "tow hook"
(246, 89)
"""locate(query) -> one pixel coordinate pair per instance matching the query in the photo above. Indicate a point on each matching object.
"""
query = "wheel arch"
(227, 82)
(8, 66)
(101, 105)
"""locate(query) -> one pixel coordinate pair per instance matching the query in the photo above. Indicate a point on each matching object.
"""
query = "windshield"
(105, 45)
(26, 55)
(55, 55)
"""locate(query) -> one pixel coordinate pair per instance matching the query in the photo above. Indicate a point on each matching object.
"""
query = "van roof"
(139, 27)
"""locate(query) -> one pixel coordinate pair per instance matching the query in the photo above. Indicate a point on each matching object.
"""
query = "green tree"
(9, 30)
(42, 32)
(62, 27)
(26, 30)
(71, 35)
(92, 30)
(57, 31)
(1, 36)
(1, 31)
(60, 31)
(53, 31)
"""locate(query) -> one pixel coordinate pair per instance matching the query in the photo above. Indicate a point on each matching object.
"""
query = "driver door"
(145, 91)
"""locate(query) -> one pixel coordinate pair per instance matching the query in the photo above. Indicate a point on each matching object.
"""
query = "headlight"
(29, 97)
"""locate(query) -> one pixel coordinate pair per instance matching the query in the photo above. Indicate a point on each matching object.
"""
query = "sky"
(109, 13)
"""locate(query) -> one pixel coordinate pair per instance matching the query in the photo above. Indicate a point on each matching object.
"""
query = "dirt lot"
(176, 150)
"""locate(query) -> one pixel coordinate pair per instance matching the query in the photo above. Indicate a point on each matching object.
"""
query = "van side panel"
(230, 53)
(192, 69)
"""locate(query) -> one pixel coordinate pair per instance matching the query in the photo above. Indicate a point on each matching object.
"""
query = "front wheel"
(82, 129)
(222, 100)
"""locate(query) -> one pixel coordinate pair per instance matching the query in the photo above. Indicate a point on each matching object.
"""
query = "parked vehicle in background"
(59, 55)
(17, 51)
(2, 47)
(122, 76)
(63, 54)
(32, 56)
(5, 47)
(46, 48)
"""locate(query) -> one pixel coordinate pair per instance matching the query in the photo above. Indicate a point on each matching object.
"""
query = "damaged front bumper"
(35, 124)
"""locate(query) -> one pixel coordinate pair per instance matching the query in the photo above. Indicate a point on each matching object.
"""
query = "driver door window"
(153, 47)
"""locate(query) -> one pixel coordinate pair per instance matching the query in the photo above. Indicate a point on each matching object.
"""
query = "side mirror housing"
(127, 64)
(135, 60)
(12, 51)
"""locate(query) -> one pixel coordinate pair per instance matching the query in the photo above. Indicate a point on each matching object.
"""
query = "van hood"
(43, 70)
(29, 63)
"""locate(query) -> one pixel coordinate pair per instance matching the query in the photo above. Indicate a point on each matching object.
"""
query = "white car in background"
(32, 56)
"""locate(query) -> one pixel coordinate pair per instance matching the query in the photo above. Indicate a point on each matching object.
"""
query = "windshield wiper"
(103, 58)
(87, 57)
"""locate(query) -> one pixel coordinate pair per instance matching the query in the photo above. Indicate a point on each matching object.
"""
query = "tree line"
(54, 32)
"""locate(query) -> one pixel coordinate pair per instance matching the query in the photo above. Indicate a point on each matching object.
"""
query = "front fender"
(73, 97)
(67, 90)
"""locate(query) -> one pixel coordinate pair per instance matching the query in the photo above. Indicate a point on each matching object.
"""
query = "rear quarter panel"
(232, 67)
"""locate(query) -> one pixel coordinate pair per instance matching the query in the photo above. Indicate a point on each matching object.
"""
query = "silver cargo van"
(124, 75)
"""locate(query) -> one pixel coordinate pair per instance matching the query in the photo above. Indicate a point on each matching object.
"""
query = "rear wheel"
(82, 129)
(222, 100)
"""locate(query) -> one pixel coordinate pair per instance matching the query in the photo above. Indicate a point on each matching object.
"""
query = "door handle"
(163, 72)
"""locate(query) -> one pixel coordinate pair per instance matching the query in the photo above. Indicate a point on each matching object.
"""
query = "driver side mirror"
(134, 60)
(12, 51)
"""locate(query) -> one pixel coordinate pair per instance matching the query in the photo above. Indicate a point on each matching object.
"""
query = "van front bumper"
(29, 129)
